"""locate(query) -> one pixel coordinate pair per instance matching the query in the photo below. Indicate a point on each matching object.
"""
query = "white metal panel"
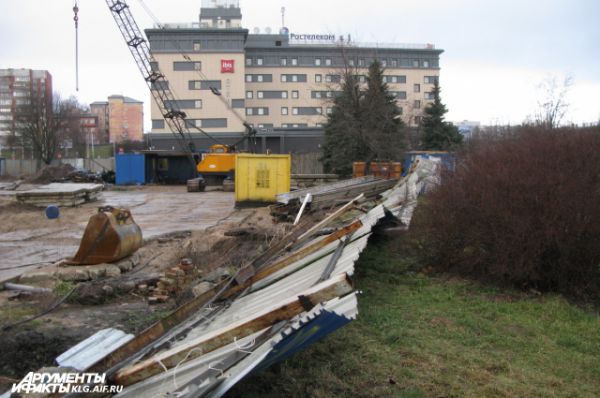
(93, 349)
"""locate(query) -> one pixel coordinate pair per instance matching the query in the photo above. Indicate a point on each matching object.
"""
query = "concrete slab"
(157, 210)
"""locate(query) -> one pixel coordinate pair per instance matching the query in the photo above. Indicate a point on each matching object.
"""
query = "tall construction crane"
(158, 85)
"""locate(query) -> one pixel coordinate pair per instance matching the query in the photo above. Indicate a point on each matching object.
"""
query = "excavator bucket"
(110, 235)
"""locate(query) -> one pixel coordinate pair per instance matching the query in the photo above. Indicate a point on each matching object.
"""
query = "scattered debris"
(50, 174)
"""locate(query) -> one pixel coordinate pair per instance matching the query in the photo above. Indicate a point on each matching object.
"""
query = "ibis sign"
(227, 66)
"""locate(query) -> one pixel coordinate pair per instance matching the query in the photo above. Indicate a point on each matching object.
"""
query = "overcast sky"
(496, 52)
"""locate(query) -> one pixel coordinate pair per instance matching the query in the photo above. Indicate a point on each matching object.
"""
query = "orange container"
(358, 169)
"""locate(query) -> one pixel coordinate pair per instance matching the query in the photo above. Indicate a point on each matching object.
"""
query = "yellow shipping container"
(259, 178)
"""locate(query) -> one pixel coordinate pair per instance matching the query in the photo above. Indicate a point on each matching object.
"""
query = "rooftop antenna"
(282, 17)
(76, 20)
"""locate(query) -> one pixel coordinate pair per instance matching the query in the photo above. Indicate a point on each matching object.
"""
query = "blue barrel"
(52, 212)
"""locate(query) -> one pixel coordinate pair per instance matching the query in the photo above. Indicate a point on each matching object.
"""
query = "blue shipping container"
(131, 169)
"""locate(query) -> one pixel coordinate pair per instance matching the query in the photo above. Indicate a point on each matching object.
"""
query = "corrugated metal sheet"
(334, 313)
(93, 349)
(299, 194)
(288, 283)
(208, 366)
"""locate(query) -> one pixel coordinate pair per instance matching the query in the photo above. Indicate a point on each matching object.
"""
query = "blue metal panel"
(324, 324)
(131, 169)
(447, 159)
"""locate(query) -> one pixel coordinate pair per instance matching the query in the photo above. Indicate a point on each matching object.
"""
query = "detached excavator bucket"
(110, 235)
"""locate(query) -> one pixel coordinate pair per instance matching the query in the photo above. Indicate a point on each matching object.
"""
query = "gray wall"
(19, 168)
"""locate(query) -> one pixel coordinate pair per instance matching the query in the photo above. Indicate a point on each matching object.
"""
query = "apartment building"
(223, 75)
(19, 87)
(119, 119)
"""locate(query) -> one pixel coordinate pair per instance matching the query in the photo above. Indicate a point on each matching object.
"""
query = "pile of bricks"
(172, 282)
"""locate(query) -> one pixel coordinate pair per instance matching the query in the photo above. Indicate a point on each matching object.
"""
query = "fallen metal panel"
(315, 328)
(299, 194)
(304, 332)
(173, 379)
(93, 349)
(249, 322)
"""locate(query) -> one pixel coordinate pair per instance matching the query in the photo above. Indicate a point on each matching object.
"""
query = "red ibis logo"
(227, 65)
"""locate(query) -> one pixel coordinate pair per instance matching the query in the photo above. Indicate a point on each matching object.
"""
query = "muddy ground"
(202, 227)
(28, 237)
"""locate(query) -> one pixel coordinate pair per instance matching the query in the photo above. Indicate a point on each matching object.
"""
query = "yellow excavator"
(217, 164)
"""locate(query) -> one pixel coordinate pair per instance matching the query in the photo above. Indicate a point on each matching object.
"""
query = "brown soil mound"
(51, 173)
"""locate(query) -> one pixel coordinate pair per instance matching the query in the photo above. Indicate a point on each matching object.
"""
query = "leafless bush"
(521, 209)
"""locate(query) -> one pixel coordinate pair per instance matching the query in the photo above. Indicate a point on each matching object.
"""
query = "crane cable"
(76, 20)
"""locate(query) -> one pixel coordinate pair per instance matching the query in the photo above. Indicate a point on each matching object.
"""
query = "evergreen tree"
(437, 133)
(362, 126)
(381, 118)
(343, 137)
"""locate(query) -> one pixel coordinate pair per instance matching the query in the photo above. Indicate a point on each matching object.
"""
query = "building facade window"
(295, 94)
(197, 46)
(327, 61)
(249, 94)
(258, 111)
(417, 88)
(351, 62)
(318, 78)
(294, 61)
(284, 94)
(283, 62)
(294, 111)
(248, 61)
(430, 79)
(204, 84)
(259, 61)
(425, 64)
(417, 104)
(317, 61)
(329, 110)
(301, 78)
(284, 110)
(415, 63)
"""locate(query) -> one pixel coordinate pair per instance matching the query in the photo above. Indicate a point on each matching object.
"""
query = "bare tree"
(553, 104)
(43, 126)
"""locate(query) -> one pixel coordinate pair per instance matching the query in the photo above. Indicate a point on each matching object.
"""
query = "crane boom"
(158, 85)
